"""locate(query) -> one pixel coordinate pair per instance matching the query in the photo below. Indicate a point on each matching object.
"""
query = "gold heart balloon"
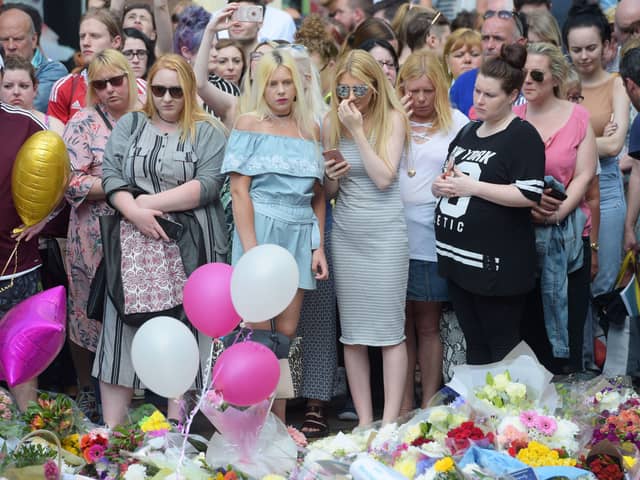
(40, 176)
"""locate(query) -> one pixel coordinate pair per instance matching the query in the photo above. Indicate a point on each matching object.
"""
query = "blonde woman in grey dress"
(368, 127)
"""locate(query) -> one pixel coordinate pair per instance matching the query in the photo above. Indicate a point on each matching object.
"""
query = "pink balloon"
(207, 300)
(246, 373)
(31, 335)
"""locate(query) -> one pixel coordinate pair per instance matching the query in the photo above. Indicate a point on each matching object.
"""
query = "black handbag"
(609, 306)
(275, 341)
(97, 291)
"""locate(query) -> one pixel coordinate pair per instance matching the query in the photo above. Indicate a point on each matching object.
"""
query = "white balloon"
(264, 282)
(165, 356)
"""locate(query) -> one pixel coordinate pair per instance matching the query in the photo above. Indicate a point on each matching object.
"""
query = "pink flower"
(546, 425)
(298, 437)
(528, 418)
(93, 453)
(51, 470)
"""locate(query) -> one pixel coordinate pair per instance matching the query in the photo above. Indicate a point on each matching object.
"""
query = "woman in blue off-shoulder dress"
(275, 163)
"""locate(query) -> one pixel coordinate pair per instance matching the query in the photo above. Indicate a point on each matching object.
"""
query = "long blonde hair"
(362, 65)
(192, 112)
(106, 61)
(427, 63)
(301, 109)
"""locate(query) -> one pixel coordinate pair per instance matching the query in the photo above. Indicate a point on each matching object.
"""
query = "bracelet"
(595, 246)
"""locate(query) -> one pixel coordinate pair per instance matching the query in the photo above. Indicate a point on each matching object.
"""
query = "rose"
(516, 391)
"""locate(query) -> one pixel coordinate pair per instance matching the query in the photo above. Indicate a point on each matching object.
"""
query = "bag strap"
(104, 117)
(629, 263)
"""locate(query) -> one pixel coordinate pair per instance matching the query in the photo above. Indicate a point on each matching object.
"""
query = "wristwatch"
(595, 246)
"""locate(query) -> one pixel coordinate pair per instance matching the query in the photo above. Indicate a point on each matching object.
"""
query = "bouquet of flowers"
(501, 393)
(10, 424)
(459, 439)
(603, 466)
(514, 432)
(53, 412)
(535, 454)
(432, 425)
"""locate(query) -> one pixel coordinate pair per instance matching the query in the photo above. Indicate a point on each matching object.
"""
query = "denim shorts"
(425, 284)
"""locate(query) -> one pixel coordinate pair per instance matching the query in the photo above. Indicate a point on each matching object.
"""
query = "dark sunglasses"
(160, 91)
(505, 15)
(575, 98)
(536, 75)
(113, 81)
(343, 91)
(141, 54)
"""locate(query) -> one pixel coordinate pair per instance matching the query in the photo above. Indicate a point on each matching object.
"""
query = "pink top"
(561, 150)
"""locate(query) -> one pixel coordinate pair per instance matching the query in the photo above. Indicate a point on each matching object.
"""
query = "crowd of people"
(412, 160)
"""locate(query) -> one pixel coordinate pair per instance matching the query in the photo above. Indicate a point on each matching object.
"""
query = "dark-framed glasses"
(116, 81)
(343, 91)
(160, 91)
(141, 54)
(536, 75)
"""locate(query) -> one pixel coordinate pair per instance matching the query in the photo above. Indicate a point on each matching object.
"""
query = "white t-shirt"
(427, 159)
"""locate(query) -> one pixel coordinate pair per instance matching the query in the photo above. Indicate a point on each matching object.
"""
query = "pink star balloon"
(31, 335)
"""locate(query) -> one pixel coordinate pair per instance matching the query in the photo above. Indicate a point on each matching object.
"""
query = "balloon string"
(14, 255)
(187, 426)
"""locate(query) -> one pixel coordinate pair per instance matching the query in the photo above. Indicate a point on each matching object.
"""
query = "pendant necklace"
(411, 171)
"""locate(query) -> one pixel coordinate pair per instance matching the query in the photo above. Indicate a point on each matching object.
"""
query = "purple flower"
(51, 470)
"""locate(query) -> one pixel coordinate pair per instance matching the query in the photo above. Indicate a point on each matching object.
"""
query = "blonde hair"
(572, 80)
(384, 101)
(301, 109)
(545, 26)
(462, 37)
(557, 63)
(192, 112)
(111, 60)
(427, 63)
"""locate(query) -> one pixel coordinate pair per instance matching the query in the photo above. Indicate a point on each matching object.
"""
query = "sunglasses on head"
(536, 75)
(505, 15)
(113, 81)
(575, 98)
(343, 91)
(160, 91)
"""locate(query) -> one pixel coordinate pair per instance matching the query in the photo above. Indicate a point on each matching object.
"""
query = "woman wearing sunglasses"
(485, 239)
(172, 151)
(112, 93)
(556, 334)
(368, 126)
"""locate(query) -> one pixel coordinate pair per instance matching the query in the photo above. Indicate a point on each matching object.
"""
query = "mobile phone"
(333, 154)
(171, 228)
(557, 194)
(248, 13)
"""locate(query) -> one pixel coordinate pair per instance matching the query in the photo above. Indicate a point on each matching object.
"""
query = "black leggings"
(491, 325)
(535, 332)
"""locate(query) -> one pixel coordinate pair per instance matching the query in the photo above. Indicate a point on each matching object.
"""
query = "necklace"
(165, 120)
(498, 128)
(419, 137)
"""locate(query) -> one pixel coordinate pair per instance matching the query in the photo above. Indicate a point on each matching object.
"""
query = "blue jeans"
(612, 212)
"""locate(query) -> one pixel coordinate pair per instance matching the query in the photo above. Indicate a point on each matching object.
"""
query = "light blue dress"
(284, 171)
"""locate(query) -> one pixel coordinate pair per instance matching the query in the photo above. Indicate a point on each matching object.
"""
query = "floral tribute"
(55, 413)
(603, 466)
(501, 393)
(461, 438)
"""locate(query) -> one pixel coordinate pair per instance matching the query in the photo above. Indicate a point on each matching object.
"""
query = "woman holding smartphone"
(367, 124)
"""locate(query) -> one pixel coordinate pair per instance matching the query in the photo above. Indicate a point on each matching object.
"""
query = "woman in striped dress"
(368, 126)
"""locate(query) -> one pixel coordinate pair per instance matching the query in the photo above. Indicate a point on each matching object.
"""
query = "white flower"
(438, 415)
(489, 392)
(412, 433)
(136, 471)
(516, 391)
(388, 433)
(501, 381)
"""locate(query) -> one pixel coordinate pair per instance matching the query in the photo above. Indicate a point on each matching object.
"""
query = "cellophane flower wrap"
(504, 388)
(250, 438)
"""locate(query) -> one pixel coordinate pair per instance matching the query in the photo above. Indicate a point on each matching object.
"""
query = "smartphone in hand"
(248, 13)
(333, 154)
(171, 228)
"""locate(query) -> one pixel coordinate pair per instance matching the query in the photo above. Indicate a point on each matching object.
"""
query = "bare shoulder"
(247, 121)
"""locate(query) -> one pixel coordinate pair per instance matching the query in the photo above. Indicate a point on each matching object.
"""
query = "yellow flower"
(273, 476)
(406, 467)
(71, 443)
(539, 455)
(444, 465)
(155, 422)
(629, 461)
